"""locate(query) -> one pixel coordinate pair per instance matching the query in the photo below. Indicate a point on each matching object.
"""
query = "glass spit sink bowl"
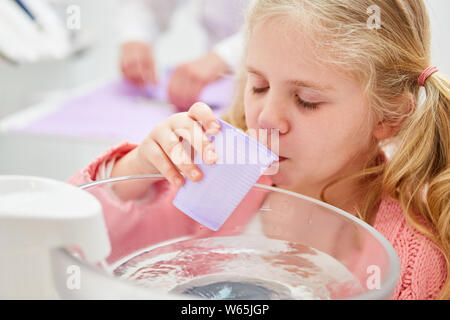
(276, 245)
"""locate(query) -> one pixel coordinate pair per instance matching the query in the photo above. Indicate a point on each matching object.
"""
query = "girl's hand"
(163, 148)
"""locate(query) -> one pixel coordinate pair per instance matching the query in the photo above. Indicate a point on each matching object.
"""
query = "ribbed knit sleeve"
(423, 267)
(88, 174)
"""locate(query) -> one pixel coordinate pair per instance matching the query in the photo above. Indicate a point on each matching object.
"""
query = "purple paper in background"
(120, 111)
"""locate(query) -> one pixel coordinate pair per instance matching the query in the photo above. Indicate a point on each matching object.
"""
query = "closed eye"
(259, 90)
(298, 100)
(306, 104)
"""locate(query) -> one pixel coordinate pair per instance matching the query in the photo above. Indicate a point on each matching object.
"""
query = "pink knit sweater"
(423, 267)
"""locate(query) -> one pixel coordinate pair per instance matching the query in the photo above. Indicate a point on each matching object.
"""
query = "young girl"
(338, 90)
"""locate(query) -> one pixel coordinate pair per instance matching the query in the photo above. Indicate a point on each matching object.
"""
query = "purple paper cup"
(241, 162)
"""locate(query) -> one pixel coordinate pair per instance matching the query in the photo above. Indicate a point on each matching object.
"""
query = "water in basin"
(240, 268)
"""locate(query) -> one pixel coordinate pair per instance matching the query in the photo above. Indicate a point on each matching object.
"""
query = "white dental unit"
(37, 216)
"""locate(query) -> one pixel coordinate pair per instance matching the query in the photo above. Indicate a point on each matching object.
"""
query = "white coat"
(180, 30)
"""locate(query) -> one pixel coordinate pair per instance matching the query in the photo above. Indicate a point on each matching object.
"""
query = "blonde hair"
(388, 61)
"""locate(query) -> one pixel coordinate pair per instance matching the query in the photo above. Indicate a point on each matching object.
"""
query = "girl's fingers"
(202, 113)
(173, 143)
(175, 152)
(158, 158)
(190, 130)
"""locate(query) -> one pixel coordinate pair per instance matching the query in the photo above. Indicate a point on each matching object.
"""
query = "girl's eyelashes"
(306, 104)
(259, 90)
(298, 100)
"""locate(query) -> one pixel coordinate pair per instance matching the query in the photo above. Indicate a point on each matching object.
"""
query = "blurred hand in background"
(137, 63)
(189, 79)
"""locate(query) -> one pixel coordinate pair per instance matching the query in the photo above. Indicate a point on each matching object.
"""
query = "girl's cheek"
(251, 113)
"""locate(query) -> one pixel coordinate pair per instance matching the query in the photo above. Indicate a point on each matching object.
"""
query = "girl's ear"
(383, 131)
(388, 128)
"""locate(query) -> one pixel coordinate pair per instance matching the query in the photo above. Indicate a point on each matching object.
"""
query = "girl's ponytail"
(419, 173)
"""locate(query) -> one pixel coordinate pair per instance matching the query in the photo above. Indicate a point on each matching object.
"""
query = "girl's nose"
(273, 116)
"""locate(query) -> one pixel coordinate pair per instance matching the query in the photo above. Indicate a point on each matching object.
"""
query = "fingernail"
(213, 127)
(211, 156)
(195, 174)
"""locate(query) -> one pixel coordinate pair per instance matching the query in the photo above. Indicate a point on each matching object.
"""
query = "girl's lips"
(281, 159)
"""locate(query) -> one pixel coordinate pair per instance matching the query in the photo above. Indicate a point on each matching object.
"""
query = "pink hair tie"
(425, 74)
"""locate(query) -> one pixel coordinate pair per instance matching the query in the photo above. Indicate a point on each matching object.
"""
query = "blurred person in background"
(210, 45)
